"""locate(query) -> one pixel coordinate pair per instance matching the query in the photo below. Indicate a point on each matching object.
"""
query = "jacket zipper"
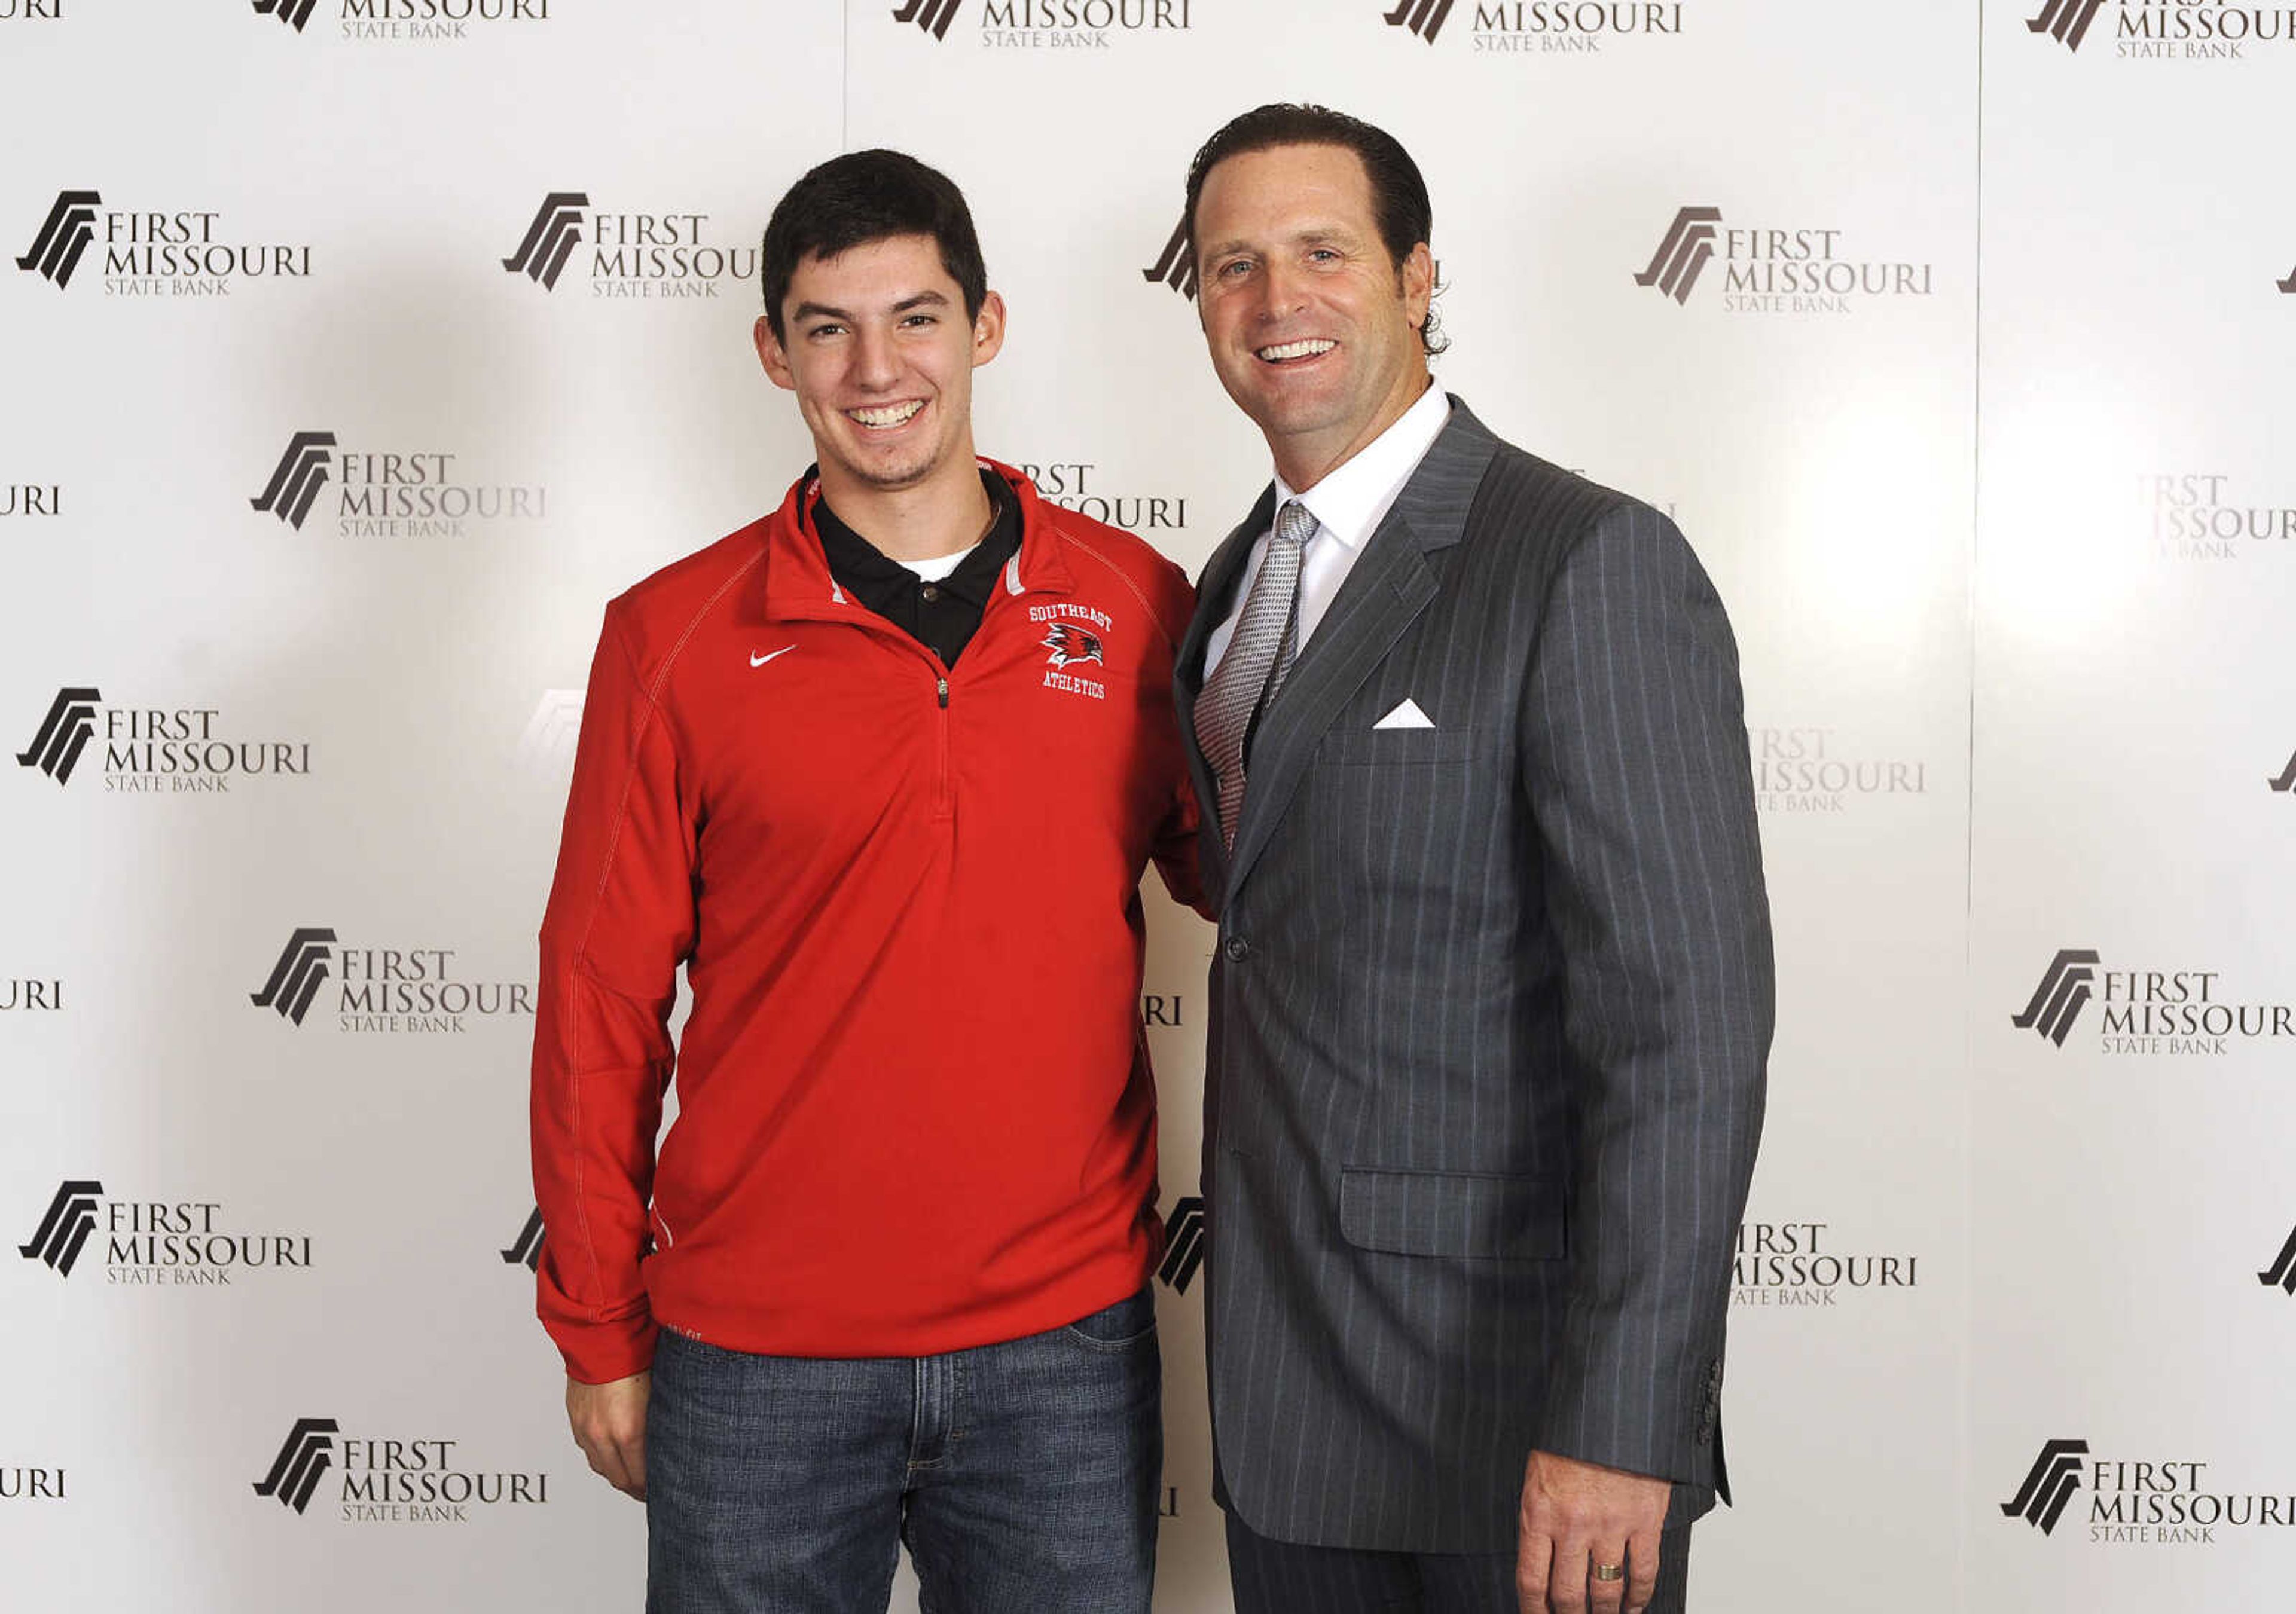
(943, 804)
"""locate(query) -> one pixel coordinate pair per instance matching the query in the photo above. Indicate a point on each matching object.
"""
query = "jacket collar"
(798, 581)
(1390, 585)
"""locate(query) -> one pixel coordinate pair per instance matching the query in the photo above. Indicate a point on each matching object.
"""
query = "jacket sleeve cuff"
(599, 1353)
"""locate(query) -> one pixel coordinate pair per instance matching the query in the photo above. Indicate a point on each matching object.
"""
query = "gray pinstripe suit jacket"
(1490, 1012)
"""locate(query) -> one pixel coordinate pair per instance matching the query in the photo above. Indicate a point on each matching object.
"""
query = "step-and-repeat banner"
(358, 350)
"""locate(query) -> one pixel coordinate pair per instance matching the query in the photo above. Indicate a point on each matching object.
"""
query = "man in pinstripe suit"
(1492, 993)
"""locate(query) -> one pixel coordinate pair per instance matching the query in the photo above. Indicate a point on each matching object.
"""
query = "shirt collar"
(865, 571)
(1350, 503)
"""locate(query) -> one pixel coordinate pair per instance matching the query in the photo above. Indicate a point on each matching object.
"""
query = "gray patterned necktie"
(1258, 654)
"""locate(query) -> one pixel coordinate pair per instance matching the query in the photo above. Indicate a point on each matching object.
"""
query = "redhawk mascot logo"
(1068, 643)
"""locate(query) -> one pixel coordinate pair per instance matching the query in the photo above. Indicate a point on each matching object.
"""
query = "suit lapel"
(1214, 589)
(1390, 585)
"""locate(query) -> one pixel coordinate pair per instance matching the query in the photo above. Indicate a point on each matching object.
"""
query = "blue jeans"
(1023, 1477)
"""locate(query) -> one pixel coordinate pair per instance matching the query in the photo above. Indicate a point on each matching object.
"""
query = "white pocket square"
(1406, 716)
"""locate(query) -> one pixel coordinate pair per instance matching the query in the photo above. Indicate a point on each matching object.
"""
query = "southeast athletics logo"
(2209, 516)
(390, 1479)
(1800, 1263)
(1048, 25)
(2148, 1012)
(2143, 31)
(156, 749)
(391, 492)
(156, 252)
(1803, 269)
(1078, 485)
(390, 991)
(2139, 1502)
(1072, 638)
(629, 256)
(2283, 782)
(1547, 28)
(147, 1242)
(399, 21)
(1813, 770)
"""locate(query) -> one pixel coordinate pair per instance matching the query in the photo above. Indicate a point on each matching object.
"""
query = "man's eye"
(822, 330)
(920, 319)
(1325, 255)
(1233, 267)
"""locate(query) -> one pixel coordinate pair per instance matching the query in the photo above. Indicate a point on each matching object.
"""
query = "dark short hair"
(863, 197)
(1399, 194)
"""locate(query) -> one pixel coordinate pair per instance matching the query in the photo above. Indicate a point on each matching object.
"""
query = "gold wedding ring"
(1610, 1571)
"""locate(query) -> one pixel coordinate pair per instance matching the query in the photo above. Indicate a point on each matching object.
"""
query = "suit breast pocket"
(1377, 747)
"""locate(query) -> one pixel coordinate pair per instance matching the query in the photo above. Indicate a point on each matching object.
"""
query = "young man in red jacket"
(881, 771)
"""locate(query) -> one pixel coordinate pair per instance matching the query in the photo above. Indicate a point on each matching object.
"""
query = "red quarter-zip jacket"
(914, 1108)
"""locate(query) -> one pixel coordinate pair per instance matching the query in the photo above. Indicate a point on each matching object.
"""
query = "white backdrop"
(2002, 509)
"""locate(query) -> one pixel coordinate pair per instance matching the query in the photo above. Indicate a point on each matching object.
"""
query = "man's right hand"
(609, 1422)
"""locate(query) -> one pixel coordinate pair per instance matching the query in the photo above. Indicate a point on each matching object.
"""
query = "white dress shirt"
(1349, 504)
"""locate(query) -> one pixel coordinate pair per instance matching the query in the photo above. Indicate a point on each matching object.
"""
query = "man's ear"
(1418, 284)
(987, 329)
(770, 354)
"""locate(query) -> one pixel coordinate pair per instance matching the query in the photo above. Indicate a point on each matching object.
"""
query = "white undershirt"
(938, 568)
(1349, 504)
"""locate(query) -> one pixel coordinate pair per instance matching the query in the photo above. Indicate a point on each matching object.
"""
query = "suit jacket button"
(1237, 949)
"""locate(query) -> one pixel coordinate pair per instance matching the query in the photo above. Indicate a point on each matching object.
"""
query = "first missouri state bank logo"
(2066, 22)
(404, 493)
(383, 990)
(2062, 994)
(2140, 1501)
(2164, 30)
(64, 733)
(646, 256)
(424, 1479)
(154, 252)
(149, 1240)
(2049, 1485)
(380, 20)
(63, 1231)
(1176, 265)
(294, 13)
(1767, 269)
(1184, 1243)
(304, 1458)
(64, 237)
(149, 747)
(1048, 25)
(2175, 1011)
(1539, 27)
(550, 240)
(1424, 18)
(933, 16)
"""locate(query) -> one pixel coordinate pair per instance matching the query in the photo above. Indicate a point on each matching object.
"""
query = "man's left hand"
(1576, 1515)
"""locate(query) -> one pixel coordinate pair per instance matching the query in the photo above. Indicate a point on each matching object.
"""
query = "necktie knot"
(1294, 524)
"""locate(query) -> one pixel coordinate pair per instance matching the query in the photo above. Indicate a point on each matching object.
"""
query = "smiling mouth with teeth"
(892, 415)
(1311, 348)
